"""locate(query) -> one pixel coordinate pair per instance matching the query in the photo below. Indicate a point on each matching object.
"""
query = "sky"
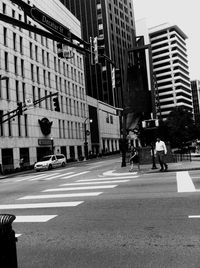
(184, 14)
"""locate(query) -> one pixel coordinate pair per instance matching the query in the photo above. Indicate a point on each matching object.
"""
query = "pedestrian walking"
(161, 151)
(134, 159)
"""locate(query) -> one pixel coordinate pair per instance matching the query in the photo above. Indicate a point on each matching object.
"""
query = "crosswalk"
(69, 195)
(75, 192)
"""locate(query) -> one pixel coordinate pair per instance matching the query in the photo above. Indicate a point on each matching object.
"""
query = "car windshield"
(45, 158)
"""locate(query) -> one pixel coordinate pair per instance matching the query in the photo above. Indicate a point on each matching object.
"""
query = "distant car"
(50, 161)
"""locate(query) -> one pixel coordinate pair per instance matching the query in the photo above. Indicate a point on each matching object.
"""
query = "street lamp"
(86, 133)
(4, 77)
(52, 143)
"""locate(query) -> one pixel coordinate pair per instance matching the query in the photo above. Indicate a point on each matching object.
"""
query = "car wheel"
(63, 164)
(50, 167)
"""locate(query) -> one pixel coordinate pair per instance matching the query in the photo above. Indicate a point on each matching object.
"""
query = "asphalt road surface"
(97, 215)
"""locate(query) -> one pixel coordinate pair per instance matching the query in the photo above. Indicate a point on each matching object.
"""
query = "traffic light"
(19, 108)
(117, 77)
(56, 104)
(96, 56)
(150, 124)
(113, 77)
(60, 50)
(99, 48)
(63, 51)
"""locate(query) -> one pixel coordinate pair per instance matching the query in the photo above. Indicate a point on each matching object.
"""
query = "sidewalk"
(173, 167)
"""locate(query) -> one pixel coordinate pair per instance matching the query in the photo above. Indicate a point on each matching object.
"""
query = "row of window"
(71, 130)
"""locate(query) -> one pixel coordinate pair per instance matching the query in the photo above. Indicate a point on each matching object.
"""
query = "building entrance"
(42, 151)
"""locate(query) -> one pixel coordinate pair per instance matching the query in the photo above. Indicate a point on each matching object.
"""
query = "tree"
(180, 127)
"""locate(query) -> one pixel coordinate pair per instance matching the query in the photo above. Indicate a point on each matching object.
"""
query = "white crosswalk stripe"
(93, 182)
(52, 176)
(109, 178)
(28, 197)
(80, 188)
(41, 205)
(76, 174)
(35, 218)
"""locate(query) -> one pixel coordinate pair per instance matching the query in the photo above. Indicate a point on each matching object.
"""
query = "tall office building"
(195, 84)
(113, 22)
(170, 68)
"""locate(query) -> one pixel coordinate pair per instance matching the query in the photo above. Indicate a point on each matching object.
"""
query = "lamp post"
(86, 133)
(52, 144)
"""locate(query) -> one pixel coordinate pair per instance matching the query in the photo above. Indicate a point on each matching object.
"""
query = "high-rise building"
(195, 84)
(170, 68)
(113, 22)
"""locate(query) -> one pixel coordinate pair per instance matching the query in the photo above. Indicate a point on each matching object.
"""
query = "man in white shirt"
(161, 151)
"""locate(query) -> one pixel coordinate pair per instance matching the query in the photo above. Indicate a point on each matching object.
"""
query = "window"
(32, 73)
(46, 100)
(21, 44)
(24, 91)
(17, 90)
(31, 50)
(44, 77)
(36, 53)
(38, 75)
(22, 68)
(5, 36)
(7, 89)
(6, 60)
(39, 96)
(26, 125)
(1, 125)
(49, 79)
(15, 65)
(43, 58)
(9, 127)
(33, 92)
(14, 41)
(19, 126)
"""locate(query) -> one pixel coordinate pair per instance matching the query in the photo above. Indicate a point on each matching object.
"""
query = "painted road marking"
(35, 176)
(74, 175)
(58, 196)
(184, 182)
(51, 177)
(106, 179)
(17, 235)
(95, 182)
(80, 188)
(194, 216)
(41, 205)
(35, 218)
(110, 173)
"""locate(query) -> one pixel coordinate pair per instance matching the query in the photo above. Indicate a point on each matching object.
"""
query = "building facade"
(113, 22)
(195, 85)
(170, 68)
(33, 70)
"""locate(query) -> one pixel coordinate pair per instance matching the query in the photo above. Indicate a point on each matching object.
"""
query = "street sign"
(49, 23)
(29, 102)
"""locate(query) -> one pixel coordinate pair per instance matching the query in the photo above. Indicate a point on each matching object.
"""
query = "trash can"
(8, 252)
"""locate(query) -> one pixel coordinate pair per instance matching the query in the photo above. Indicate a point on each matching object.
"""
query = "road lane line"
(74, 175)
(35, 218)
(80, 188)
(106, 179)
(28, 197)
(41, 205)
(184, 182)
(94, 182)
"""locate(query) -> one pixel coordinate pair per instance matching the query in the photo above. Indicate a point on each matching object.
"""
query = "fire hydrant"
(8, 252)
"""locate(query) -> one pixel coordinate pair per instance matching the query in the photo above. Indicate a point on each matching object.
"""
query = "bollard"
(8, 252)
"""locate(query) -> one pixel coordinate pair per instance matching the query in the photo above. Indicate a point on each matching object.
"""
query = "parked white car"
(50, 161)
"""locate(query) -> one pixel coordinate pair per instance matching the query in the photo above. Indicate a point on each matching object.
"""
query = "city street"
(97, 214)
